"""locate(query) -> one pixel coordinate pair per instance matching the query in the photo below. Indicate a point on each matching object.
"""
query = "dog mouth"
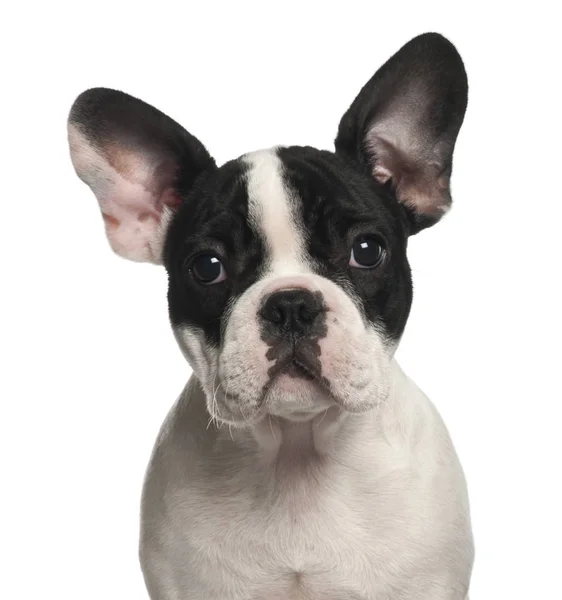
(297, 359)
(295, 368)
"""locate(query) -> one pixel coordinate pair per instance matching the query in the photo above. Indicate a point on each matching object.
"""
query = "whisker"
(226, 400)
(271, 427)
(323, 416)
(215, 403)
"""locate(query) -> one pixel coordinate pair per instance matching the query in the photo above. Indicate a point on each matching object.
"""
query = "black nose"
(292, 312)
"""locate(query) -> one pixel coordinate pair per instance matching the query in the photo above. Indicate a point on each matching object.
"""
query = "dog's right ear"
(138, 162)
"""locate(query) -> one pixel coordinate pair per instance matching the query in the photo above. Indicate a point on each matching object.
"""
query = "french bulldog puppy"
(300, 462)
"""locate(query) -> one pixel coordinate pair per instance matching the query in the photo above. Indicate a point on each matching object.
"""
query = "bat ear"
(403, 125)
(138, 162)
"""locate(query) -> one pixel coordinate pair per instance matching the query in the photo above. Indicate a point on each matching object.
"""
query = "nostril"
(292, 311)
(307, 313)
(274, 312)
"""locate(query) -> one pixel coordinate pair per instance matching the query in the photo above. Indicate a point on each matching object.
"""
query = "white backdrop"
(89, 364)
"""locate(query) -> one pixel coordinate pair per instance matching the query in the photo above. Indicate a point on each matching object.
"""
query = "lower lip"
(299, 415)
(289, 382)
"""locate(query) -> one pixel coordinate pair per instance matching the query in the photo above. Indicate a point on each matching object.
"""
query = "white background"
(89, 366)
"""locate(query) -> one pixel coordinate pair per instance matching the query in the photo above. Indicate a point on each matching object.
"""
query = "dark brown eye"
(208, 269)
(366, 253)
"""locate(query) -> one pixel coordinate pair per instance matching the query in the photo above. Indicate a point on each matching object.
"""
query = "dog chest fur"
(354, 522)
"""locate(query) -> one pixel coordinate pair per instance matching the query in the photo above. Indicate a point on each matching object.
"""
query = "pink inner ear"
(135, 219)
(135, 195)
(381, 173)
(171, 199)
(418, 183)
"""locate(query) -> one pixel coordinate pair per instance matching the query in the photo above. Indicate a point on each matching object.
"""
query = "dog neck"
(283, 440)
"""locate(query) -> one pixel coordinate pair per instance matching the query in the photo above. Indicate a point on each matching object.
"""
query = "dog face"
(289, 286)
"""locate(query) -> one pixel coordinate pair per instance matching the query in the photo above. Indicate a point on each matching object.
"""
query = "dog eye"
(366, 253)
(208, 269)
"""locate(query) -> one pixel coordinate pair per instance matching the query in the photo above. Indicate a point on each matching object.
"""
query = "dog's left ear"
(403, 125)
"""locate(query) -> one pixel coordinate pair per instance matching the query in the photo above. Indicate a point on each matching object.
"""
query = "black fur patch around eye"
(336, 205)
(213, 217)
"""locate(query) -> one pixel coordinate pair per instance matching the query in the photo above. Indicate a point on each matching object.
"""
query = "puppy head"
(289, 286)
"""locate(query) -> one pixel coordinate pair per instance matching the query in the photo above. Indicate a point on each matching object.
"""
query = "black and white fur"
(299, 462)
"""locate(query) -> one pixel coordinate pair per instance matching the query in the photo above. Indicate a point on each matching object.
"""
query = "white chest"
(312, 538)
(370, 523)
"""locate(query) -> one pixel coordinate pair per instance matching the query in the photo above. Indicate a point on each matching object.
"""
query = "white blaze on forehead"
(271, 209)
